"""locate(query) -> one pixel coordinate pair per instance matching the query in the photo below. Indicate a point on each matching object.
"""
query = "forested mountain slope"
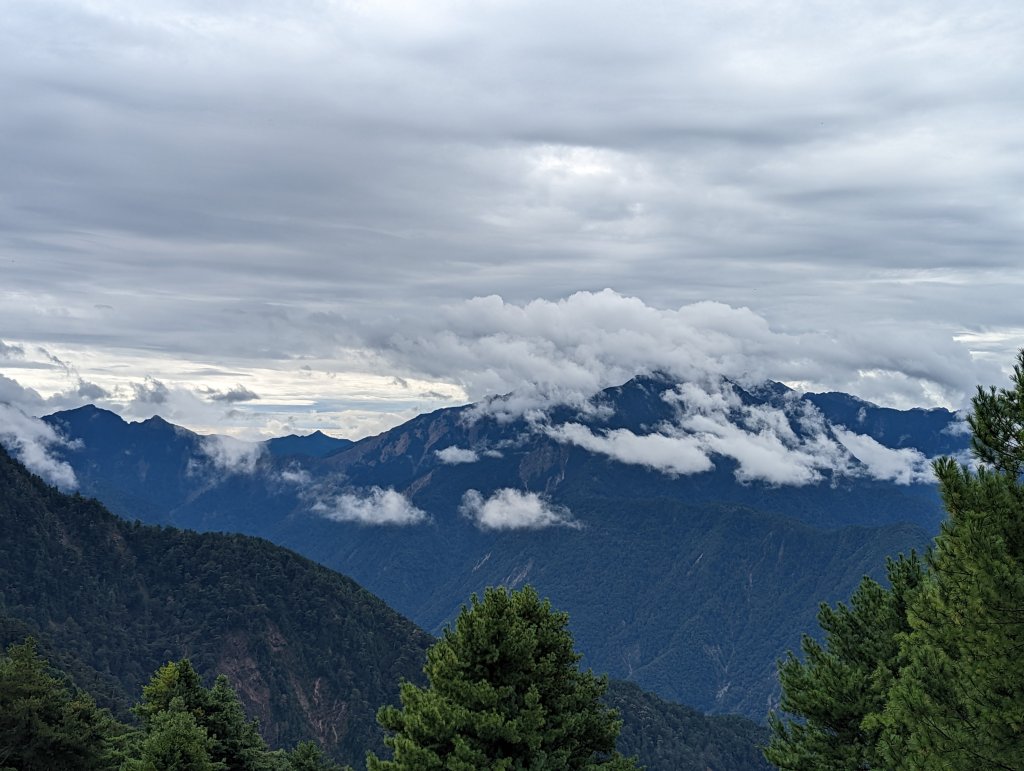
(310, 653)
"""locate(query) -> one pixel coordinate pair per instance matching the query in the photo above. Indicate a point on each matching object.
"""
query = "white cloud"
(230, 455)
(903, 466)
(511, 509)
(789, 443)
(565, 351)
(376, 506)
(31, 441)
(454, 455)
(296, 475)
(670, 454)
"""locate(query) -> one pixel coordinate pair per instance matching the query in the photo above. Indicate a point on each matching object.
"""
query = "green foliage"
(959, 700)
(671, 737)
(111, 601)
(174, 742)
(838, 690)
(505, 692)
(929, 674)
(307, 756)
(232, 742)
(45, 723)
(313, 654)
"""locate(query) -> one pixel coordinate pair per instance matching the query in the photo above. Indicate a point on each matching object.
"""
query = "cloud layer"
(511, 509)
(376, 506)
(308, 222)
(787, 444)
(454, 455)
(231, 456)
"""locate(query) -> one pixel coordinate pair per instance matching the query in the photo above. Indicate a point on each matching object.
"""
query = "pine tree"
(836, 693)
(959, 700)
(505, 692)
(950, 693)
(307, 756)
(175, 742)
(233, 742)
(45, 723)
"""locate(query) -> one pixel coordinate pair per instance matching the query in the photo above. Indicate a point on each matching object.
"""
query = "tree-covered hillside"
(311, 654)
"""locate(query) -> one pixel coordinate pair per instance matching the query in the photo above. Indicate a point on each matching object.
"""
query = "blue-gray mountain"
(690, 533)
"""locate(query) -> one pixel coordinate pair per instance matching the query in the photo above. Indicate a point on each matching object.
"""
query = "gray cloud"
(511, 509)
(237, 394)
(307, 184)
(11, 351)
(151, 391)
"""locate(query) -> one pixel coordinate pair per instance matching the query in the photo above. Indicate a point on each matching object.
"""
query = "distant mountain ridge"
(690, 582)
(314, 445)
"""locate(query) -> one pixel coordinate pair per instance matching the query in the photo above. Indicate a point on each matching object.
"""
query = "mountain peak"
(89, 412)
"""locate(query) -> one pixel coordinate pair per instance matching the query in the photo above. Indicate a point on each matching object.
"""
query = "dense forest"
(927, 672)
(46, 724)
(309, 653)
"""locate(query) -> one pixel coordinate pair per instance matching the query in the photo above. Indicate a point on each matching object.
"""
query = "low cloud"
(454, 455)
(231, 456)
(783, 443)
(510, 509)
(32, 442)
(296, 475)
(670, 454)
(903, 466)
(376, 506)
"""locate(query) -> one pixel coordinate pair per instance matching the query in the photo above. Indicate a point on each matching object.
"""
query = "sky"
(256, 218)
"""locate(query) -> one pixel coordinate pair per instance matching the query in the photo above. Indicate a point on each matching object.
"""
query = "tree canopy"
(46, 723)
(504, 692)
(928, 673)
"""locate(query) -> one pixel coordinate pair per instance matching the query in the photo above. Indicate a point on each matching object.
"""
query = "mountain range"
(310, 653)
(690, 530)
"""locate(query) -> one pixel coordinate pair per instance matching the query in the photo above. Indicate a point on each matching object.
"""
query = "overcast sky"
(256, 217)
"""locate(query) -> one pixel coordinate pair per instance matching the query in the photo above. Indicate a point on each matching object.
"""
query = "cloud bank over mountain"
(526, 357)
(454, 455)
(787, 444)
(565, 351)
